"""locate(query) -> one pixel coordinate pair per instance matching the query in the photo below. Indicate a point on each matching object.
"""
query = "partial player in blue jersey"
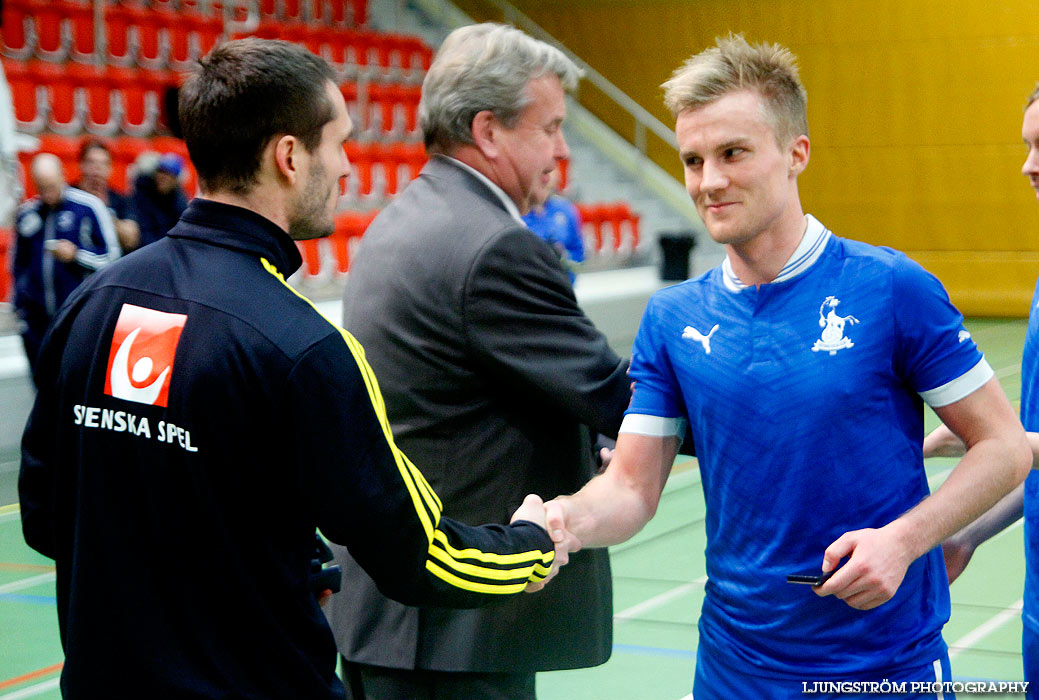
(801, 365)
(557, 222)
(1024, 500)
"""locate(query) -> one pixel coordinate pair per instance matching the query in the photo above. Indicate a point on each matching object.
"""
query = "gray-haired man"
(490, 372)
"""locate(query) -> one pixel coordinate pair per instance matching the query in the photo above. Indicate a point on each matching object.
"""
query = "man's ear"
(485, 134)
(800, 149)
(286, 151)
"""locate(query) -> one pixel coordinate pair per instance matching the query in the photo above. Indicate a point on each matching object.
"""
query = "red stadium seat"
(311, 252)
(81, 20)
(356, 12)
(564, 174)
(361, 166)
(624, 226)
(120, 21)
(349, 228)
(6, 250)
(66, 110)
(30, 98)
(53, 35)
(16, 40)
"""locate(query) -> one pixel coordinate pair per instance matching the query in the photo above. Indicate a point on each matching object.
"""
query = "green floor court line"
(655, 651)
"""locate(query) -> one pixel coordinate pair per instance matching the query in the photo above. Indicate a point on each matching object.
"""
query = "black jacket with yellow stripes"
(196, 420)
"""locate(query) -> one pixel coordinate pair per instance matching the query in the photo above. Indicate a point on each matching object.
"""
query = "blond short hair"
(1033, 97)
(733, 64)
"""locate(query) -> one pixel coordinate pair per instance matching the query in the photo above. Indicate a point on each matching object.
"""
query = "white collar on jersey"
(510, 206)
(812, 244)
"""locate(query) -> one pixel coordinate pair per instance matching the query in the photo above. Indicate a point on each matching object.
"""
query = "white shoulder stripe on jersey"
(653, 426)
(104, 220)
(964, 385)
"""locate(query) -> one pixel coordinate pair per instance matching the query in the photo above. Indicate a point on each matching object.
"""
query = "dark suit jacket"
(490, 373)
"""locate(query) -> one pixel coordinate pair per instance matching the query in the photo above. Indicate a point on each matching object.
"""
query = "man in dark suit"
(492, 373)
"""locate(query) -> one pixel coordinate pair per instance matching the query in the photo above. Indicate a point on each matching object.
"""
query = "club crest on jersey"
(140, 361)
(832, 338)
(704, 340)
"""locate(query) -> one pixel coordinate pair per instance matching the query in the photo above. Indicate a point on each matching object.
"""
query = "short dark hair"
(90, 144)
(243, 94)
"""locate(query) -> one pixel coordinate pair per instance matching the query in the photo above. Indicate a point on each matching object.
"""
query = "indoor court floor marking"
(33, 690)
(646, 644)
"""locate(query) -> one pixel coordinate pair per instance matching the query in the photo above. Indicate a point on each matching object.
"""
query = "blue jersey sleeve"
(573, 241)
(936, 355)
(657, 392)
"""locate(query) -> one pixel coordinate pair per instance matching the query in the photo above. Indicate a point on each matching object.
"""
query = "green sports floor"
(655, 634)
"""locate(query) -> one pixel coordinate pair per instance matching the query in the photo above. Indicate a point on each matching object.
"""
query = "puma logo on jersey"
(705, 340)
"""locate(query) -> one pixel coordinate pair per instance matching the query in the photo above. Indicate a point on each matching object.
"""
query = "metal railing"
(644, 122)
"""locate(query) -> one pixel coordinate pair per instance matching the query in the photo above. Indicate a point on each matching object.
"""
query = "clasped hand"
(550, 517)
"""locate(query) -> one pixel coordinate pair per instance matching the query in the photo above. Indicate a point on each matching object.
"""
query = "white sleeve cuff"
(964, 385)
(654, 426)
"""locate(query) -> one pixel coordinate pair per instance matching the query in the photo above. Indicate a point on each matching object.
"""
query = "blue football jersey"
(1030, 419)
(805, 397)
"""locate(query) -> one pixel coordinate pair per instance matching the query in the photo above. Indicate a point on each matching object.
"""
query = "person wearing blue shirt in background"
(1024, 500)
(63, 234)
(158, 199)
(558, 223)
(801, 365)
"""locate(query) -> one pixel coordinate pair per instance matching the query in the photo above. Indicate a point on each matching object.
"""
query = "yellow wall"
(915, 110)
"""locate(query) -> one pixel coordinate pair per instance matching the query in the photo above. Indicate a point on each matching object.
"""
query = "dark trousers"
(365, 682)
(33, 328)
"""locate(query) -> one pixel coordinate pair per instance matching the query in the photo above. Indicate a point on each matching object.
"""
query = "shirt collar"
(510, 206)
(235, 227)
(812, 244)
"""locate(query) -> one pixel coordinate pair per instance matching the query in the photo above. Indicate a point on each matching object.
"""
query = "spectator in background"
(95, 169)
(558, 223)
(158, 199)
(64, 234)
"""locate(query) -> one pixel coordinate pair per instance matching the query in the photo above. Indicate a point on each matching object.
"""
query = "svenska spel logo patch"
(140, 361)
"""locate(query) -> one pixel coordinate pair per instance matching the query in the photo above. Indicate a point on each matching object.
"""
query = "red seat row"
(331, 256)
(162, 36)
(76, 98)
(6, 250)
(352, 13)
(383, 112)
(358, 54)
(62, 30)
(125, 151)
(615, 222)
(380, 171)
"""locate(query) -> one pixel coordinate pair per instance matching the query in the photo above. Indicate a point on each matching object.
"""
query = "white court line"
(658, 600)
(983, 630)
(27, 583)
(33, 690)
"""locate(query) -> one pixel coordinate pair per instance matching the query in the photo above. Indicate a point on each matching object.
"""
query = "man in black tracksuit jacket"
(196, 420)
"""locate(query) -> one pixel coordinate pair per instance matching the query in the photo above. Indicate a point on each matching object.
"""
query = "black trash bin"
(675, 247)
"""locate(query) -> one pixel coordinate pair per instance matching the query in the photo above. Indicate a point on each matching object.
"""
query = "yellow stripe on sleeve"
(494, 589)
(491, 557)
(531, 565)
(429, 517)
